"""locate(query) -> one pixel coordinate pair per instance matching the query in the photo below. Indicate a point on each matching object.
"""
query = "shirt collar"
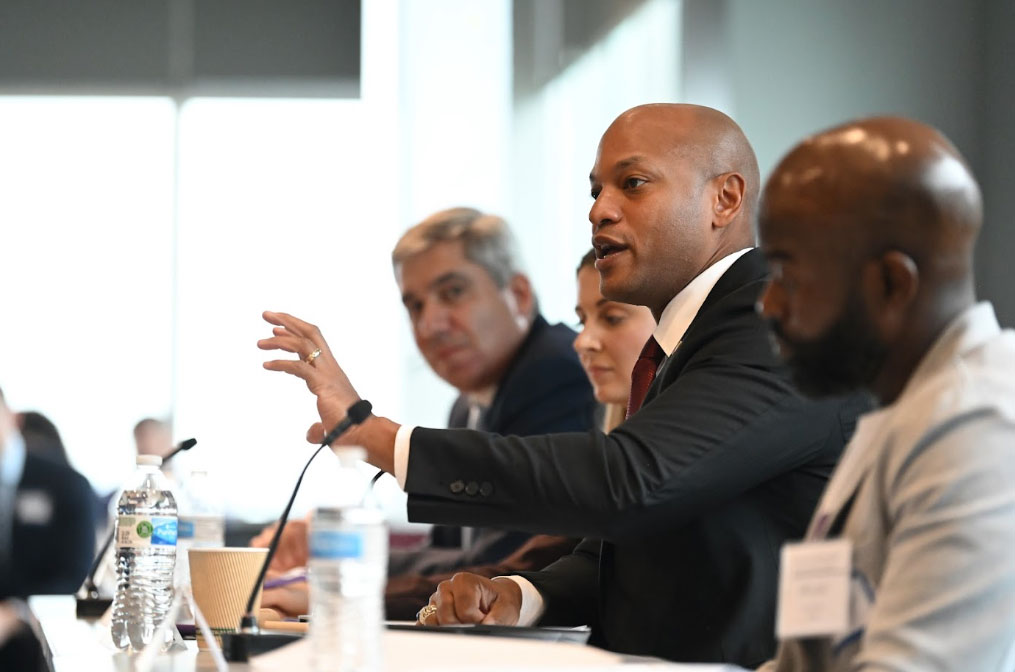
(682, 308)
(482, 398)
(12, 460)
(972, 328)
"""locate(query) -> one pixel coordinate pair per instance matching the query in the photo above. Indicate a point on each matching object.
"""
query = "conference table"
(84, 645)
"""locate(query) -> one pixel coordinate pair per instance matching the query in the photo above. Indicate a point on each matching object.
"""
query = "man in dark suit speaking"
(693, 496)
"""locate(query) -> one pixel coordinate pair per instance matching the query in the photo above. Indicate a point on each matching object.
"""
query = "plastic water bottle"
(348, 571)
(202, 524)
(146, 529)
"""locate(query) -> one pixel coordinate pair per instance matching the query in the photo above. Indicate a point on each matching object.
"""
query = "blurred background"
(171, 168)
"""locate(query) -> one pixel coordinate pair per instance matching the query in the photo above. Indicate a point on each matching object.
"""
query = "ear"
(520, 290)
(891, 283)
(729, 199)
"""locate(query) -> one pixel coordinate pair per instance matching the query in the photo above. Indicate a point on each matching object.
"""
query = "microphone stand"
(239, 646)
(93, 605)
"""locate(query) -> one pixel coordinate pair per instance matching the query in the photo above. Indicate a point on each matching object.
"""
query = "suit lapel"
(748, 268)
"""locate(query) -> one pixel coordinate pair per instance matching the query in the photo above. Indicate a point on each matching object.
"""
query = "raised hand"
(316, 366)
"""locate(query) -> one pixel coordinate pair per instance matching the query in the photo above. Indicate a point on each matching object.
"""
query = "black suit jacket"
(544, 390)
(53, 531)
(694, 495)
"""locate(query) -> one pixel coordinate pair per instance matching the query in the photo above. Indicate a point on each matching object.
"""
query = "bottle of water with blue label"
(146, 529)
(348, 571)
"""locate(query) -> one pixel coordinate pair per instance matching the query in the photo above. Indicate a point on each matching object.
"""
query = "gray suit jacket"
(926, 493)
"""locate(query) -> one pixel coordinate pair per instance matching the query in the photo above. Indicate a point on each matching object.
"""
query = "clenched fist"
(469, 598)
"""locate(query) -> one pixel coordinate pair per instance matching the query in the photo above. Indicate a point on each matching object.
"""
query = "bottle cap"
(149, 461)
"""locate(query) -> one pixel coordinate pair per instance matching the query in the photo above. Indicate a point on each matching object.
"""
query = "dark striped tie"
(644, 373)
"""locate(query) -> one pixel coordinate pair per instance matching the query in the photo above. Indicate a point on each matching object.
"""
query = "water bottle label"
(145, 531)
(335, 544)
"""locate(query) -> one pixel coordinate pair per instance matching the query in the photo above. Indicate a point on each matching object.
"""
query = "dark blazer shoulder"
(54, 542)
(545, 389)
(728, 328)
(749, 272)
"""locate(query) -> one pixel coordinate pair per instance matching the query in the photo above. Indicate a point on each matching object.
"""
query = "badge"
(814, 589)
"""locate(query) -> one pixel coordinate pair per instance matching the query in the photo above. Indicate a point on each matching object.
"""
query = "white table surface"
(85, 646)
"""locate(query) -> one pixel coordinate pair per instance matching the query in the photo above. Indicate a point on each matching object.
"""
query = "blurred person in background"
(46, 522)
(21, 641)
(41, 436)
(153, 437)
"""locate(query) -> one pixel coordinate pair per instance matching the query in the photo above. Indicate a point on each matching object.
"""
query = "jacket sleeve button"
(456, 487)
(486, 488)
(472, 488)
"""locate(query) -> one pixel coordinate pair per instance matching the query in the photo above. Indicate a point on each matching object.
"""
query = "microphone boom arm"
(356, 414)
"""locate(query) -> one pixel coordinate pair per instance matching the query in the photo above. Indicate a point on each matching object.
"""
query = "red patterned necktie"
(644, 373)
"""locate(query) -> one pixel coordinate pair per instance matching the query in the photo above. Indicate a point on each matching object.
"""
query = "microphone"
(239, 646)
(356, 414)
(92, 604)
(180, 447)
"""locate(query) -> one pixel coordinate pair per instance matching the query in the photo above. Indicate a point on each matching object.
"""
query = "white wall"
(557, 130)
(127, 296)
(798, 66)
(787, 68)
(454, 124)
(995, 278)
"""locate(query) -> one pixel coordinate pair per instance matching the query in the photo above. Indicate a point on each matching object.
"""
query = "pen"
(285, 581)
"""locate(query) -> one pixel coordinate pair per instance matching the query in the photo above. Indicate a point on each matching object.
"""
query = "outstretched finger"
(287, 342)
(316, 433)
(295, 367)
(296, 326)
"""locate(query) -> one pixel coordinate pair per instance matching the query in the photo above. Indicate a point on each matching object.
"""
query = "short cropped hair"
(488, 241)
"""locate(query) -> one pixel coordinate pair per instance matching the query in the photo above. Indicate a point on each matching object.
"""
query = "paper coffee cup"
(222, 579)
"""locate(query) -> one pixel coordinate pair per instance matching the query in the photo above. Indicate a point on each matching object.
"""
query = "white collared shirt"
(682, 308)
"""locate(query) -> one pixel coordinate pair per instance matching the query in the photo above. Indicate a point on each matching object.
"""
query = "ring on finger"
(312, 356)
(426, 612)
